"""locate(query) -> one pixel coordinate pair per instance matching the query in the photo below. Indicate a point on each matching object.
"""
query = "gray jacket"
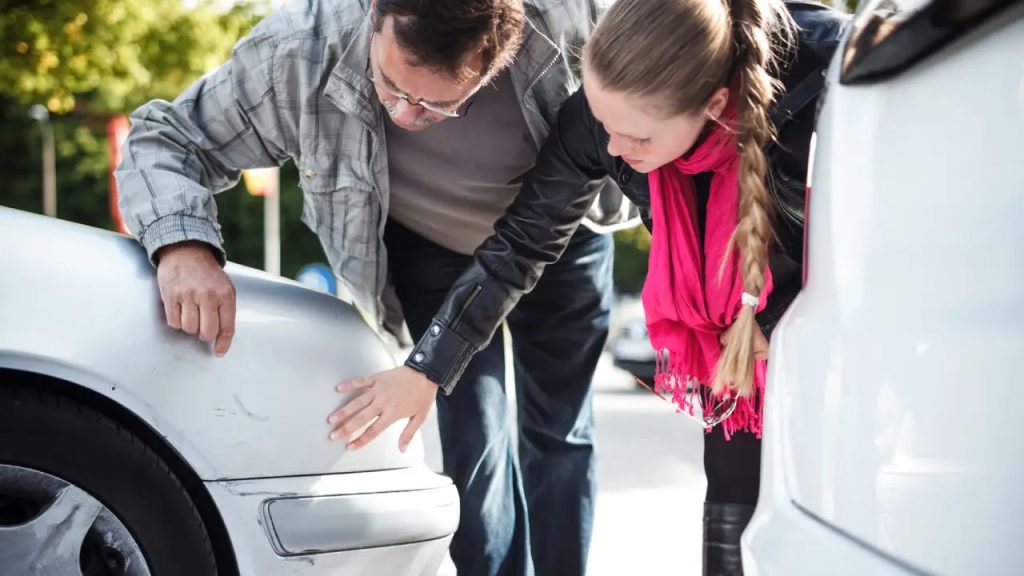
(296, 88)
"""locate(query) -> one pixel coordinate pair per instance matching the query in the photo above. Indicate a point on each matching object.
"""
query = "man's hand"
(388, 397)
(198, 296)
(760, 342)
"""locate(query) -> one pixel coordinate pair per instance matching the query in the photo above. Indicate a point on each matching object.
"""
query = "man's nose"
(406, 112)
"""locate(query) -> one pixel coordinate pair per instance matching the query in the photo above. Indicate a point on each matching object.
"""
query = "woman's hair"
(677, 53)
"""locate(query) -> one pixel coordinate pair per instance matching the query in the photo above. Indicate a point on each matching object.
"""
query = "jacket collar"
(348, 87)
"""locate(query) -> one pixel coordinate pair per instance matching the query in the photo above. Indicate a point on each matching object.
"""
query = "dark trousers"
(733, 467)
(733, 470)
(534, 512)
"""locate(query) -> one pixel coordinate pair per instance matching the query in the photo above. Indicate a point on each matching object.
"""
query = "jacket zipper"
(543, 71)
(469, 302)
(380, 199)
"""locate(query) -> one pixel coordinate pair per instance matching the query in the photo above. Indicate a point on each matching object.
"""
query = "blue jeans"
(534, 514)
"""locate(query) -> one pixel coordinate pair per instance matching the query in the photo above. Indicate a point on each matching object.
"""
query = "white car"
(631, 348)
(894, 434)
(127, 448)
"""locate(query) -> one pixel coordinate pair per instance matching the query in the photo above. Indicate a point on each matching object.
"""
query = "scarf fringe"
(688, 393)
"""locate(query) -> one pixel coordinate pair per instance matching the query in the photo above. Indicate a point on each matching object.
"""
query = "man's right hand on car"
(198, 295)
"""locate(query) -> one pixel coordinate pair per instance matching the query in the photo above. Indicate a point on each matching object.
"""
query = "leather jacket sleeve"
(561, 188)
(533, 233)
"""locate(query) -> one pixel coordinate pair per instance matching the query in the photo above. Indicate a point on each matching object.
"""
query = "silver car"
(128, 448)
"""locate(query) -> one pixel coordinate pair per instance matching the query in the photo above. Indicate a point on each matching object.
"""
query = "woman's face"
(639, 130)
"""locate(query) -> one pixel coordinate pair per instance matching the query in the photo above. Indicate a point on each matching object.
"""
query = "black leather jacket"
(570, 171)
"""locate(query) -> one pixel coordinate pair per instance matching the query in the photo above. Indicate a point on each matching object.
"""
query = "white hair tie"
(750, 300)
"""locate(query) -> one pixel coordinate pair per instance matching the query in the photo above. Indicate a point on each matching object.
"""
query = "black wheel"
(80, 495)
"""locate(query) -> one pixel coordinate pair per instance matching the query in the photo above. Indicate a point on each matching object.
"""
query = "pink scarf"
(686, 307)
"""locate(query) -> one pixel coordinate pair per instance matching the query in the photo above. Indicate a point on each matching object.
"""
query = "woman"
(682, 91)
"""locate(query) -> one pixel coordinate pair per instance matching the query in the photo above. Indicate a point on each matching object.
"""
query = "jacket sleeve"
(533, 233)
(179, 154)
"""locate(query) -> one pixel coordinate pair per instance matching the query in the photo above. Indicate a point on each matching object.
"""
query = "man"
(411, 124)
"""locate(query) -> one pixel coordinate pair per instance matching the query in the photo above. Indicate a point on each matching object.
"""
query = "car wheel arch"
(227, 564)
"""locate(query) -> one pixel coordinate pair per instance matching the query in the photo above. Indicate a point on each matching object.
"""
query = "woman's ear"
(717, 102)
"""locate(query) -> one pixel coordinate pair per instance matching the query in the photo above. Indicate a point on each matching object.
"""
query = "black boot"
(724, 523)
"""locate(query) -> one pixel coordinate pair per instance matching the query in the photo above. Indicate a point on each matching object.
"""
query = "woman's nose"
(617, 146)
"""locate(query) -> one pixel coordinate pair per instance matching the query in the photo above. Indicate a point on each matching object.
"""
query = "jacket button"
(310, 173)
(435, 329)
(419, 357)
(625, 176)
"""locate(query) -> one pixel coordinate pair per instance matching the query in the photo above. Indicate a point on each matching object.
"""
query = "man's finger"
(189, 317)
(356, 384)
(346, 411)
(209, 321)
(172, 310)
(371, 433)
(227, 327)
(410, 430)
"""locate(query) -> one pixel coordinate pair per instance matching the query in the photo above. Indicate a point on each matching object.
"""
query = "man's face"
(415, 97)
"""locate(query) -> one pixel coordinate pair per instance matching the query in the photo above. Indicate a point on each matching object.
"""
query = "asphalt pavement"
(650, 479)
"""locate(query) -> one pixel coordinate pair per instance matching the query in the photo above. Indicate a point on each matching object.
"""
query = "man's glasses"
(456, 112)
(696, 402)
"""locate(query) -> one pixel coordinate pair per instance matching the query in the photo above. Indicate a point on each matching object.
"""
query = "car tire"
(46, 434)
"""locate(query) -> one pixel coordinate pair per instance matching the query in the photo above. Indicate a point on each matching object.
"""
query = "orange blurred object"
(261, 181)
(117, 133)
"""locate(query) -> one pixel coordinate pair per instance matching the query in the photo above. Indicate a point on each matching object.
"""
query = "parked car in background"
(631, 348)
(128, 448)
(893, 439)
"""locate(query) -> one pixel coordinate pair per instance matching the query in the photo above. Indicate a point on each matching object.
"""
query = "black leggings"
(733, 468)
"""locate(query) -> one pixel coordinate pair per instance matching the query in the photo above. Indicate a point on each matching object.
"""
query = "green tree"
(631, 250)
(108, 56)
(87, 60)
(847, 5)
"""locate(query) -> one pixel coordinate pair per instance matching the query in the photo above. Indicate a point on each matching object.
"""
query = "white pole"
(49, 172)
(272, 225)
(40, 114)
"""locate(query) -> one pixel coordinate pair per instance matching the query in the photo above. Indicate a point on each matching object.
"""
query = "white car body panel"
(245, 502)
(97, 320)
(894, 399)
(81, 305)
